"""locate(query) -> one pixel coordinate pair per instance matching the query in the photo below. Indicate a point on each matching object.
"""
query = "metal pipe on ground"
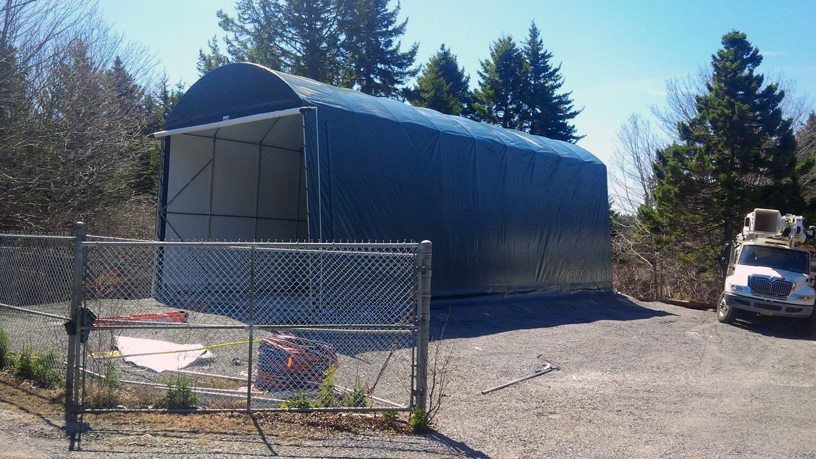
(542, 371)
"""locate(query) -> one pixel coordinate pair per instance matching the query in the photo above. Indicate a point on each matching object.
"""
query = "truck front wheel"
(725, 313)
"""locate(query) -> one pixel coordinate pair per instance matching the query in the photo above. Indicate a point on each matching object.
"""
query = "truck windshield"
(788, 260)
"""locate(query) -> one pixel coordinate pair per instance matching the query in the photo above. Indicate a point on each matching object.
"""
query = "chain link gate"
(211, 326)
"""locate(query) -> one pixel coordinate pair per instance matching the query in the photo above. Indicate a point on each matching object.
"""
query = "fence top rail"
(52, 237)
(92, 237)
(264, 245)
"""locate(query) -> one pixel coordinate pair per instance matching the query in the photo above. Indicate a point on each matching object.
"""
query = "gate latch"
(86, 319)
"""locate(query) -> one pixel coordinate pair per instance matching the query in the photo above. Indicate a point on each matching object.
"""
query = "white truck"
(770, 270)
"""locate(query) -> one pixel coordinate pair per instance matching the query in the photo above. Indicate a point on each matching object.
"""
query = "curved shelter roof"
(243, 89)
(507, 211)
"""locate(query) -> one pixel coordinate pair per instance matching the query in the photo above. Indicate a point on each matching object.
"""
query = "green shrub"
(328, 393)
(389, 416)
(419, 420)
(43, 369)
(179, 394)
(111, 379)
(47, 369)
(5, 350)
(358, 396)
(24, 365)
(298, 402)
(104, 395)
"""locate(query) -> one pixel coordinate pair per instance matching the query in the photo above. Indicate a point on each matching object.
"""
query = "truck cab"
(768, 272)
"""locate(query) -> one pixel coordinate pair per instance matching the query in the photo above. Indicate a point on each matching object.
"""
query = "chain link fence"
(35, 302)
(222, 325)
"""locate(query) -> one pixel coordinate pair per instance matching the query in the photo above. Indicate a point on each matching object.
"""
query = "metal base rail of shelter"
(220, 326)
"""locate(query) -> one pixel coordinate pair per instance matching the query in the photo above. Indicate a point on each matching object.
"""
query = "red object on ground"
(173, 317)
(287, 362)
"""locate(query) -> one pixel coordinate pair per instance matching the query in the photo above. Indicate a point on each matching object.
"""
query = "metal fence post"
(424, 322)
(251, 327)
(73, 332)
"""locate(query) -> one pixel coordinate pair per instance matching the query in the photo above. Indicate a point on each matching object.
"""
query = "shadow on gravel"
(463, 319)
(775, 327)
(455, 448)
(26, 407)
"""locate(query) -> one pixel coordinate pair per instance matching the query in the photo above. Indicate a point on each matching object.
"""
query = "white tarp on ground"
(159, 355)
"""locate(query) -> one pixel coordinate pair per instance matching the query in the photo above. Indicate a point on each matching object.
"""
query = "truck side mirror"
(725, 257)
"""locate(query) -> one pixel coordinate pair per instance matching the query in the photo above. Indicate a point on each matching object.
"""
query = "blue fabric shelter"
(507, 212)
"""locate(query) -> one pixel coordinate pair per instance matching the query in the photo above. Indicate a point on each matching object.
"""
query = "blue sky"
(616, 56)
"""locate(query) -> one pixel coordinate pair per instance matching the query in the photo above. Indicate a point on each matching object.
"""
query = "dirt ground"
(635, 379)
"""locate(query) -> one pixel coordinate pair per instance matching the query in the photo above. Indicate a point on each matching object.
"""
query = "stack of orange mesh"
(287, 362)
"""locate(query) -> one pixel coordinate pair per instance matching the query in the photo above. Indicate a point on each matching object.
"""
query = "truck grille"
(776, 287)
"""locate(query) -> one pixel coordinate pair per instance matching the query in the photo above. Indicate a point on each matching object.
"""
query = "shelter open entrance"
(240, 179)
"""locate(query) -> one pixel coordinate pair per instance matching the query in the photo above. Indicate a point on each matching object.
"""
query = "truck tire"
(725, 313)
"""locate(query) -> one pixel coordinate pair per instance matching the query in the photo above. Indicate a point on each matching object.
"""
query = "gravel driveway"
(636, 379)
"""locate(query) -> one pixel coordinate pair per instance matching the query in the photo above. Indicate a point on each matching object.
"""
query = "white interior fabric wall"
(243, 182)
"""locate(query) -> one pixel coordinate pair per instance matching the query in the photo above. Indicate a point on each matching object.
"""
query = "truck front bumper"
(768, 307)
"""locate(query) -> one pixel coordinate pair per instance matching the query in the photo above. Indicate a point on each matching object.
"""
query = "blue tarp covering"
(507, 212)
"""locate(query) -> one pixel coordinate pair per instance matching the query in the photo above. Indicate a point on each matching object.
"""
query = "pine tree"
(442, 85)
(297, 36)
(498, 99)
(806, 167)
(132, 102)
(311, 36)
(376, 64)
(207, 62)
(545, 111)
(158, 106)
(161, 102)
(128, 93)
(12, 92)
(737, 153)
(353, 43)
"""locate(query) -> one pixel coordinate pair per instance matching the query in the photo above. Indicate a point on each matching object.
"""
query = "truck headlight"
(738, 288)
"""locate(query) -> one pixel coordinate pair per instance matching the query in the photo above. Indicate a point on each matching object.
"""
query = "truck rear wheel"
(725, 313)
